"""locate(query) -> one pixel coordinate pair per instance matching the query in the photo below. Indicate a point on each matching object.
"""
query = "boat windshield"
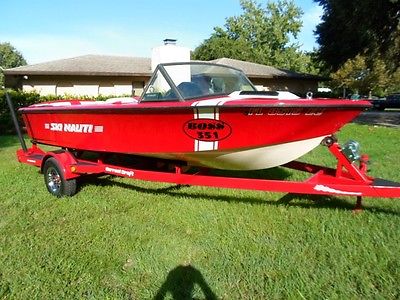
(184, 81)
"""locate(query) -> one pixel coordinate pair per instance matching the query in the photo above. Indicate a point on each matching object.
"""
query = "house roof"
(100, 65)
(106, 65)
(255, 70)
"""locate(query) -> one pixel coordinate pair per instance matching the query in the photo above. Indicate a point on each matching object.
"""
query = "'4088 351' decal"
(207, 129)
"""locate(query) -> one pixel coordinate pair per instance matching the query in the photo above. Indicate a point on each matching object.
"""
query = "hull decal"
(206, 112)
(98, 128)
(327, 189)
(74, 128)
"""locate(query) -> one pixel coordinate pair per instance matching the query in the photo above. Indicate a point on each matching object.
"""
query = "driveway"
(382, 118)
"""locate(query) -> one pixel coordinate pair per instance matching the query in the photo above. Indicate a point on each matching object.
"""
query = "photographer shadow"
(180, 284)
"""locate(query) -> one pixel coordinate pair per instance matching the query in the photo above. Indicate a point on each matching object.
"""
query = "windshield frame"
(161, 68)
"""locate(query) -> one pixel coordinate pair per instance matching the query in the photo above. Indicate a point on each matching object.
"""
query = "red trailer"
(61, 169)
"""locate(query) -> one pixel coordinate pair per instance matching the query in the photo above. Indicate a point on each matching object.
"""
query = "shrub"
(19, 99)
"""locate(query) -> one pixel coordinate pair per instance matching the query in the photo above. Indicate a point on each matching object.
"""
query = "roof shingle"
(261, 71)
(106, 65)
(102, 65)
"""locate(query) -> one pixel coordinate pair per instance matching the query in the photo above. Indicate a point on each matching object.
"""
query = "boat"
(204, 115)
(197, 113)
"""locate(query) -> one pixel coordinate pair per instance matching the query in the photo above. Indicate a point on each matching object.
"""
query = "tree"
(9, 58)
(356, 76)
(354, 27)
(394, 82)
(260, 35)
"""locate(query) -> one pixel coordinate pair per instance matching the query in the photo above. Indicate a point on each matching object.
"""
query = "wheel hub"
(53, 180)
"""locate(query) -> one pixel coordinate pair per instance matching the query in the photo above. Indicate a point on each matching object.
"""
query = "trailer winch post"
(16, 124)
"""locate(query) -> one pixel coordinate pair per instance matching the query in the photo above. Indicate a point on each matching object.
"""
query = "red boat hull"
(196, 132)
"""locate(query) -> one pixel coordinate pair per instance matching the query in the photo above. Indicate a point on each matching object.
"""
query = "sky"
(45, 30)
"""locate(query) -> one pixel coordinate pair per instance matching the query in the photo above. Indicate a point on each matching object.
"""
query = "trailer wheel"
(328, 141)
(55, 181)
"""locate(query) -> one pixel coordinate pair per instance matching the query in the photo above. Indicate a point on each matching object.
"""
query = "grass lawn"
(125, 239)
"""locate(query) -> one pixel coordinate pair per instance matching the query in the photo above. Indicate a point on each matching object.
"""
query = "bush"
(21, 99)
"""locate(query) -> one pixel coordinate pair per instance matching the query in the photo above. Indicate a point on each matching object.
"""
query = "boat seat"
(189, 89)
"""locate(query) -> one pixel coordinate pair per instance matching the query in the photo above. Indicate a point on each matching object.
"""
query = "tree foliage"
(354, 27)
(9, 58)
(360, 43)
(261, 35)
(356, 76)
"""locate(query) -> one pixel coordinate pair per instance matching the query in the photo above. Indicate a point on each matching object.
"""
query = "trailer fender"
(66, 160)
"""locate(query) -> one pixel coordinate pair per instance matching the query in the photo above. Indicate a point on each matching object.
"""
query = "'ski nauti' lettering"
(66, 127)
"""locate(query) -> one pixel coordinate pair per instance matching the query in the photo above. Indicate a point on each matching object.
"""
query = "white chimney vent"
(170, 42)
(169, 52)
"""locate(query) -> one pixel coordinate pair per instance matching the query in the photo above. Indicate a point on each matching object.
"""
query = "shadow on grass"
(276, 173)
(8, 141)
(292, 200)
(180, 284)
(5, 290)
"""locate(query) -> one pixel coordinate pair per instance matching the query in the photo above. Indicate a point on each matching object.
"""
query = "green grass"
(125, 239)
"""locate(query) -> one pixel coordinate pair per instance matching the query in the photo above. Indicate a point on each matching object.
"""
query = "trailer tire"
(55, 180)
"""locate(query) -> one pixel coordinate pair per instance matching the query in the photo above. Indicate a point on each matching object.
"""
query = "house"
(94, 75)
(274, 79)
(90, 75)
